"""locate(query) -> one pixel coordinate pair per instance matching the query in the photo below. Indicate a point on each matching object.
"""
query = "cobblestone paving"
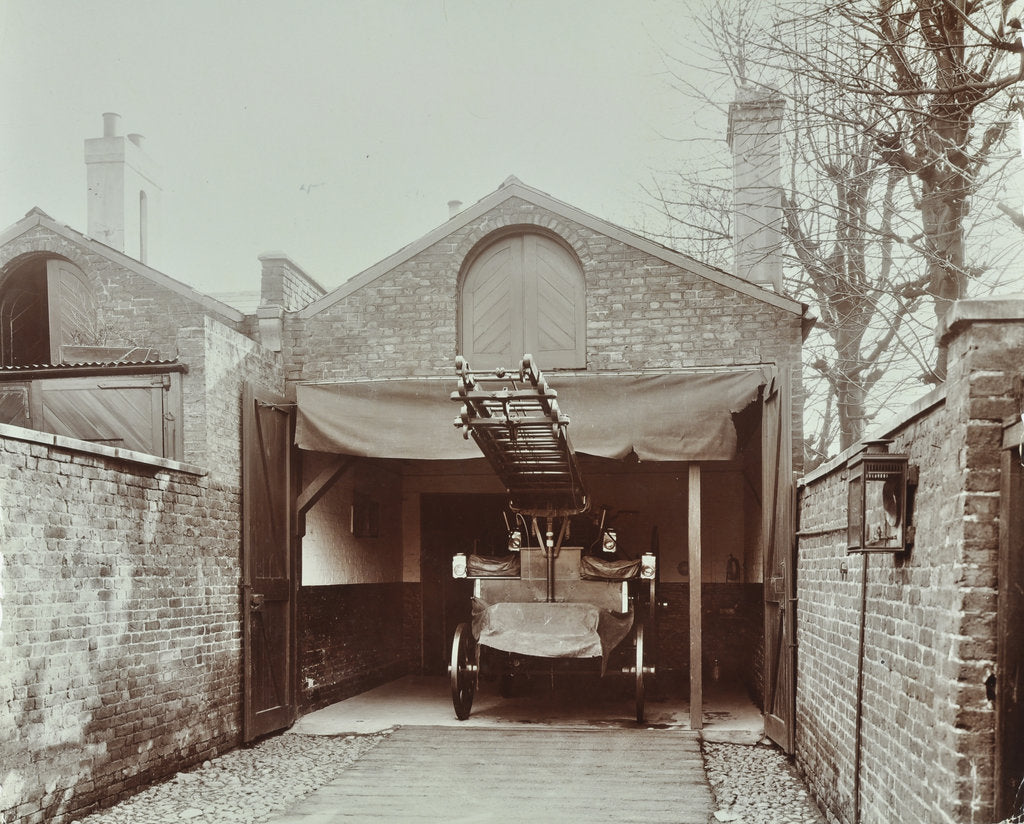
(757, 785)
(751, 784)
(244, 786)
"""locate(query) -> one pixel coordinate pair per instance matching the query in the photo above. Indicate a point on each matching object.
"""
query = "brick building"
(918, 651)
(214, 521)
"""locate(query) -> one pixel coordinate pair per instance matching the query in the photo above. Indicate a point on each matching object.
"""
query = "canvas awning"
(660, 417)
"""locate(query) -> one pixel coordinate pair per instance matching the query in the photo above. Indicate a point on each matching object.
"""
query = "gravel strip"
(243, 786)
(757, 785)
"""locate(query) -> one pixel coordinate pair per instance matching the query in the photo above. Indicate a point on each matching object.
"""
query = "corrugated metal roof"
(110, 367)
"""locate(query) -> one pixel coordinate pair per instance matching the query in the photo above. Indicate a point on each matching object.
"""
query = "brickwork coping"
(18, 433)
(963, 313)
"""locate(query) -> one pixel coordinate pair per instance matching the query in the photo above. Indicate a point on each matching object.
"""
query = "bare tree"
(919, 78)
(878, 188)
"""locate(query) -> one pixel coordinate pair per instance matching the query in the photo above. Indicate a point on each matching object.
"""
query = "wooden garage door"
(141, 412)
(524, 293)
(268, 567)
(1009, 682)
(779, 567)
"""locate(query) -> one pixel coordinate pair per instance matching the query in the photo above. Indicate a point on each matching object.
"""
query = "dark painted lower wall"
(733, 635)
(355, 637)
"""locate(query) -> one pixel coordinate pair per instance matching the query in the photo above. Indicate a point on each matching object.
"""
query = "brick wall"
(642, 312)
(284, 283)
(927, 722)
(134, 310)
(120, 637)
(121, 627)
(355, 637)
(220, 361)
(331, 553)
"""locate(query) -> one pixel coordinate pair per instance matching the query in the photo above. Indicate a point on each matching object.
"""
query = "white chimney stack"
(110, 121)
(122, 192)
(755, 125)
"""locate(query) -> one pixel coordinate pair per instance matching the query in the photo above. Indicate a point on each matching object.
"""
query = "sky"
(337, 132)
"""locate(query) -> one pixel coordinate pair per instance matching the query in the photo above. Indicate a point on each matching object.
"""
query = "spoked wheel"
(641, 691)
(463, 670)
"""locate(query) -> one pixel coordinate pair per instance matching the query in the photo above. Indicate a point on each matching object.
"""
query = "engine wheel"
(463, 670)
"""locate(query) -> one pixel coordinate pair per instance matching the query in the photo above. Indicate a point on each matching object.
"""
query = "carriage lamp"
(515, 540)
(648, 566)
(459, 565)
(877, 500)
(609, 541)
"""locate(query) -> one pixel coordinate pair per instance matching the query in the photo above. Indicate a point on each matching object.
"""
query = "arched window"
(524, 292)
(45, 305)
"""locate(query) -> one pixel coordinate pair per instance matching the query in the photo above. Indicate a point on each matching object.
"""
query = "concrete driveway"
(728, 714)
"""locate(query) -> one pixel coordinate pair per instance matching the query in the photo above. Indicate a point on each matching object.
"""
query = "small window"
(524, 293)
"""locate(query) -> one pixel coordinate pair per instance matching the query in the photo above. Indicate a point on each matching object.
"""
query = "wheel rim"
(463, 671)
(640, 690)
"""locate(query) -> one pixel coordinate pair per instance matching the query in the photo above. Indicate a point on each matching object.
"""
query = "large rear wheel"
(463, 670)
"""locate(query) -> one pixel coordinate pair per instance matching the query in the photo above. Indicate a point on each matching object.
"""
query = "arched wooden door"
(524, 293)
(45, 306)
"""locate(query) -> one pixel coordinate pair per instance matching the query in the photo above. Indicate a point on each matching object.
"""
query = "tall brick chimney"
(755, 124)
(123, 196)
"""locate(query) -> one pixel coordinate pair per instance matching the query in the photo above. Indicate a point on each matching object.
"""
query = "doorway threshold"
(419, 701)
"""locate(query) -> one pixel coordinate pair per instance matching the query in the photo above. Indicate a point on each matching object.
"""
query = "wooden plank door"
(492, 306)
(1009, 684)
(778, 512)
(555, 304)
(524, 293)
(137, 412)
(72, 308)
(269, 570)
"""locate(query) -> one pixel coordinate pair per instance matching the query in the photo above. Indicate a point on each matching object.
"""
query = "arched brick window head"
(524, 292)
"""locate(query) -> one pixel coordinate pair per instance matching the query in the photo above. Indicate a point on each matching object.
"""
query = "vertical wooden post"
(696, 651)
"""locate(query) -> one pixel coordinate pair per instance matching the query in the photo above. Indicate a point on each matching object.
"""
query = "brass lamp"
(877, 498)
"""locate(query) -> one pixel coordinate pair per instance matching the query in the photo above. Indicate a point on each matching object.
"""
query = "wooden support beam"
(696, 647)
(319, 487)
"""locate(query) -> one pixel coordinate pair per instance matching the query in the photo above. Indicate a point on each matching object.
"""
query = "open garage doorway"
(647, 503)
(694, 465)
